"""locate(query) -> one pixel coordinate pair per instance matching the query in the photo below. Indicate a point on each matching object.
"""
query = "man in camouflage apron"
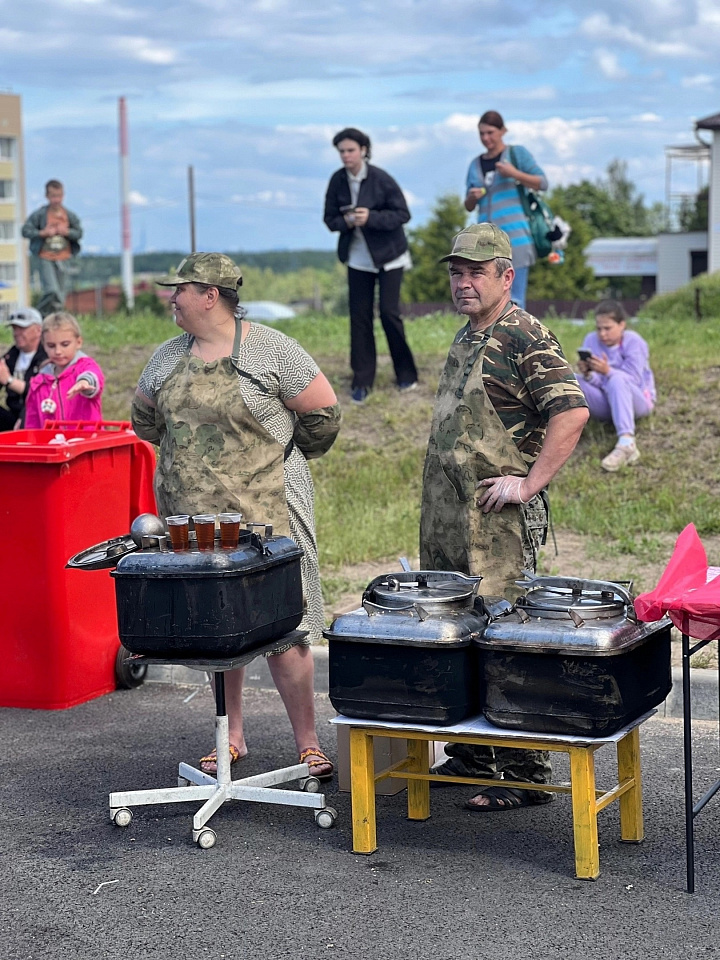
(508, 413)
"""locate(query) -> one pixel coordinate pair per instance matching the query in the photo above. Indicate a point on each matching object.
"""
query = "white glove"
(501, 490)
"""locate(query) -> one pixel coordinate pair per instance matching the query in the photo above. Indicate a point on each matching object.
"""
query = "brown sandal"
(211, 758)
(322, 761)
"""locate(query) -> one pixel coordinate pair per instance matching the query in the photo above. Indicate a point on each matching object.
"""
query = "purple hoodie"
(631, 356)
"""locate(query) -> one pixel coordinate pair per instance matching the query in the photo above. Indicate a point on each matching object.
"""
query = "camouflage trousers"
(473, 760)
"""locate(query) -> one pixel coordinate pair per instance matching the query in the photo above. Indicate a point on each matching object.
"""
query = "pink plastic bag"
(684, 592)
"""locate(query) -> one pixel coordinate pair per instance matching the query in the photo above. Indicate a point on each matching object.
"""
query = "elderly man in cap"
(236, 410)
(20, 363)
(508, 414)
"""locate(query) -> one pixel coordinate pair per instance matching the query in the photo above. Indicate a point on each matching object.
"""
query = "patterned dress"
(271, 369)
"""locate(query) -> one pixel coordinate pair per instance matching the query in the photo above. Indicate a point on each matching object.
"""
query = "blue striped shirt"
(501, 204)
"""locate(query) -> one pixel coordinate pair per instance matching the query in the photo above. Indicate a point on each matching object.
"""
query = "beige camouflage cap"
(480, 242)
(215, 269)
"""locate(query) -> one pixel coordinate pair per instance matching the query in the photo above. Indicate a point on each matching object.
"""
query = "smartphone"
(585, 354)
(348, 208)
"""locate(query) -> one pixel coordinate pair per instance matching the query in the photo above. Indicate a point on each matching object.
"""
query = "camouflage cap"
(480, 242)
(214, 269)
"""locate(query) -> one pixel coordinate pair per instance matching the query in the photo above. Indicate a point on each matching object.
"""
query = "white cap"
(24, 317)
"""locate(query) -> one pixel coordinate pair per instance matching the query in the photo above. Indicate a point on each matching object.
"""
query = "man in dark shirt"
(20, 363)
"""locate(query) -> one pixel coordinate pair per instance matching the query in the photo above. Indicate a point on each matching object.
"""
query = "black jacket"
(383, 231)
(16, 401)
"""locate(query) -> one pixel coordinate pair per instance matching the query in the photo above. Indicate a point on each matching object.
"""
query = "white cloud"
(708, 12)
(144, 49)
(647, 118)
(564, 138)
(138, 199)
(413, 200)
(698, 81)
(609, 65)
(600, 27)
(9, 39)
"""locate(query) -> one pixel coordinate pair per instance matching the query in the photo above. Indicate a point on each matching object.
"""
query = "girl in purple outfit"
(69, 386)
(616, 379)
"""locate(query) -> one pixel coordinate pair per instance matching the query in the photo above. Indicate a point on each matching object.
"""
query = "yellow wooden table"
(587, 800)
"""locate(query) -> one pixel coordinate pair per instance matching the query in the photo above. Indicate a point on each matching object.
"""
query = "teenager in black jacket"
(367, 207)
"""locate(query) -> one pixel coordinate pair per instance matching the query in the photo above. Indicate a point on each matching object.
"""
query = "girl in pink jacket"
(69, 386)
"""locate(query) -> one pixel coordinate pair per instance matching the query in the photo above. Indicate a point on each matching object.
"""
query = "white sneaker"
(621, 456)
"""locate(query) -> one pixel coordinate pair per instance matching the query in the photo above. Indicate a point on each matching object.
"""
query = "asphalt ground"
(459, 885)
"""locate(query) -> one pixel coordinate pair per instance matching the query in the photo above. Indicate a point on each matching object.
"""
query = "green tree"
(693, 214)
(427, 282)
(612, 207)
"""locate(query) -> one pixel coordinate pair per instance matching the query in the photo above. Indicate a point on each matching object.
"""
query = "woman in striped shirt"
(492, 188)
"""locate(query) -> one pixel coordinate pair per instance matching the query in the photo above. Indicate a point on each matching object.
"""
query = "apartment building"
(13, 258)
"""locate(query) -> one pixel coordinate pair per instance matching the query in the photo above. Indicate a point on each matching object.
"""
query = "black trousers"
(361, 290)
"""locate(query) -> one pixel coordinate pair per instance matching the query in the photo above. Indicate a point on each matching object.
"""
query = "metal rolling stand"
(193, 784)
(692, 809)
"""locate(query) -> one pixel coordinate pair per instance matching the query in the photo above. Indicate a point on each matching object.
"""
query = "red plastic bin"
(59, 639)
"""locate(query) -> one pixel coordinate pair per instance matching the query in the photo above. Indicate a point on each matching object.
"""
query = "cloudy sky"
(251, 92)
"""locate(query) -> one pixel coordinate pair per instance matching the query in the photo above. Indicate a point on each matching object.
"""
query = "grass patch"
(368, 487)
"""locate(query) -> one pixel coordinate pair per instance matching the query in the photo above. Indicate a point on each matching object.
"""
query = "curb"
(704, 683)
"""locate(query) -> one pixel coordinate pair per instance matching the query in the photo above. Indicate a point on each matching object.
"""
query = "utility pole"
(128, 284)
(191, 201)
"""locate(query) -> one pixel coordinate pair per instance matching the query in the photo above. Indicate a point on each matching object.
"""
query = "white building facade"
(13, 258)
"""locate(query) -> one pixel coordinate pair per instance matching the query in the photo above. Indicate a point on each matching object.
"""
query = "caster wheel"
(122, 817)
(326, 818)
(182, 782)
(128, 675)
(207, 839)
(310, 785)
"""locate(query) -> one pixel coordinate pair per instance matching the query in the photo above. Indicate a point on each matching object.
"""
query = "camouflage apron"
(215, 456)
(468, 443)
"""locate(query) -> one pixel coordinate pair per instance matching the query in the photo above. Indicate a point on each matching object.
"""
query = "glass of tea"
(229, 529)
(179, 530)
(205, 530)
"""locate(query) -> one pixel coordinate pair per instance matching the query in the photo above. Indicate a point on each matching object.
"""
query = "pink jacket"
(47, 395)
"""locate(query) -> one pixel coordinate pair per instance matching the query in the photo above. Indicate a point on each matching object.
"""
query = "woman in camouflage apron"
(236, 409)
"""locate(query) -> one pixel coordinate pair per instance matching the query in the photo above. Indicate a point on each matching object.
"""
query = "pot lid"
(430, 589)
(103, 556)
(567, 597)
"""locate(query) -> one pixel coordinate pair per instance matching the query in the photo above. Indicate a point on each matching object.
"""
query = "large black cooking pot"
(570, 657)
(406, 655)
(216, 604)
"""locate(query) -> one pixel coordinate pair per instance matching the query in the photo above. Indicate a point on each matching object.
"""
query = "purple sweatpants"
(618, 399)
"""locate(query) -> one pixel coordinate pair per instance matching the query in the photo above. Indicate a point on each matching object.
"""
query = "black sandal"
(507, 798)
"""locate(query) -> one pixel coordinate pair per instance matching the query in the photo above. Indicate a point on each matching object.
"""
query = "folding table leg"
(418, 791)
(631, 813)
(582, 779)
(688, 763)
(362, 791)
